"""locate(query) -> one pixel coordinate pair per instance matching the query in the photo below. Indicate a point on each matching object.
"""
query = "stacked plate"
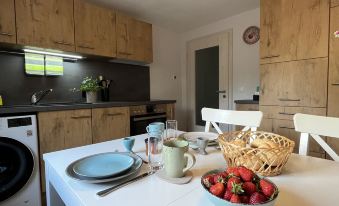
(192, 137)
(105, 167)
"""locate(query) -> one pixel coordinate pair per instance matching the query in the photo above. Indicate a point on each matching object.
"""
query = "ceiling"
(180, 15)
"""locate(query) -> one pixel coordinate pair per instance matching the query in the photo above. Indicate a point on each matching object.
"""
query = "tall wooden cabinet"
(45, 23)
(7, 22)
(294, 64)
(288, 27)
(110, 123)
(94, 29)
(134, 39)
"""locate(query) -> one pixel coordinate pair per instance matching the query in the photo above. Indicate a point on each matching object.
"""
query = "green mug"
(177, 161)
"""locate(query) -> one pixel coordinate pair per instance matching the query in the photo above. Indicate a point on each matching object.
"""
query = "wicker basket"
(263, 161)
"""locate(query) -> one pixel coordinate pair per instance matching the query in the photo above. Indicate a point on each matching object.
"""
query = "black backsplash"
(129, 82)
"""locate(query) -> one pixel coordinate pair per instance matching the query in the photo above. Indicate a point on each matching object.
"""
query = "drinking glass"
(155, 145)
(171, 130)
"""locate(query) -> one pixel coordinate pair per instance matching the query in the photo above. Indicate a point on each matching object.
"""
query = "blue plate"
(103, 165)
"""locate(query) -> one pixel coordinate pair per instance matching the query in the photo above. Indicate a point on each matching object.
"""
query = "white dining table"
(305, 181)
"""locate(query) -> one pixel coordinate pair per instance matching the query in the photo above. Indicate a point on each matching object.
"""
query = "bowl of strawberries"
(238, 186)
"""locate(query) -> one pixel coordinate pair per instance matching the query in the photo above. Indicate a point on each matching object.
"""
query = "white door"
(209, 77)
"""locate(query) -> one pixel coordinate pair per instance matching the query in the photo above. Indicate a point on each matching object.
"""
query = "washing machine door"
(16, 167)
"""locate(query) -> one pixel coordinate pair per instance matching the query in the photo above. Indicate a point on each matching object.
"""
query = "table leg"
(52, 197)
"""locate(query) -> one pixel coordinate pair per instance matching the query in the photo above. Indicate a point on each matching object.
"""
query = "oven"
(142, 116)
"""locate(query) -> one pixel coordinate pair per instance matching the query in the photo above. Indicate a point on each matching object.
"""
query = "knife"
(107, 191)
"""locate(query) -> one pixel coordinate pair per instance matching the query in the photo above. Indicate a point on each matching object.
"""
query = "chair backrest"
(314, 126)
(248, 119)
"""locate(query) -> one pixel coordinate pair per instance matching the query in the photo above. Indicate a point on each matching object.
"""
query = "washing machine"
(19, 161)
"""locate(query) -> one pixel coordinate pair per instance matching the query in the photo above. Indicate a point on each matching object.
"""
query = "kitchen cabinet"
(245, 107)
(134, 39)
(45, 23)
(7, 22)
(62, 130)
(110, 123)
(334, 3)
(295, 83)
(288, 27)
(94, 29)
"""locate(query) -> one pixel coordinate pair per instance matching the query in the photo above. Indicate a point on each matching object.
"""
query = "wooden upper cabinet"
(7, 21)
(134, 39)
(45, 23)
(288, 27)
(94, 29)
(110, 123)
(334, 3)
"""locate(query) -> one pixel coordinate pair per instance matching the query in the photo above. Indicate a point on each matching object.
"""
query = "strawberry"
(218, 189)
(249, 187)
(235, 199)
(228, 194)
(246, 174)
(237, 189)
(233, 171)
(257, 198)
(220, 177)
(245, 199)
(208, 181)
(231, 181)
(267, 188)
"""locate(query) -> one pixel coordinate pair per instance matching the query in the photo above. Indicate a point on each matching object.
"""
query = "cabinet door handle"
(289, 100)
(63, 43)
(291, 128)
(6, 34)
(335, 84)
(284, 113)
(114, 114)
(271, 56)
(125, 53)
(81, 117)
(85, 47)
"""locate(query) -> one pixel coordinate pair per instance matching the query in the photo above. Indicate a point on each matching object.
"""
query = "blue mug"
(128, 143)
(155, 129)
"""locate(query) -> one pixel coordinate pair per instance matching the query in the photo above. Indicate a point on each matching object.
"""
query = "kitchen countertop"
(246, 101)
(19, 109)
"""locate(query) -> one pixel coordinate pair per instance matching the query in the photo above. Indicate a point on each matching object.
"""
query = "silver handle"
(284, 113)
(6, 34)
(289, 100)
(81, 117)
(85, 47)
(221, 91)
(147, 118)
(335, 84)
(116, 187)
(271, 56)
(291, 128)
(63, 43)
(114, 114)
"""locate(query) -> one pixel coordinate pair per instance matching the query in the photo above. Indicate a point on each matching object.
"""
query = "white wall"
(165, 67)
(245, 57)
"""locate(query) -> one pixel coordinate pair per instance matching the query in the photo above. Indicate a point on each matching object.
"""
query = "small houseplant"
(90, 86)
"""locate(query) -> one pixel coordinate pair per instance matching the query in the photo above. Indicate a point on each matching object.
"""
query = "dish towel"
(54, 66)
(34, 64)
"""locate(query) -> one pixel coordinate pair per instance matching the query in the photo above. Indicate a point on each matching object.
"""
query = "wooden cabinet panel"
(245, 107)
(45, 23)
(134, 39)
(94, 29)
(266, 125)
(7, 22)
(271, 84)
(110, 123)
(287, 27)
(333, 101)
(287, 113)
(334, 3)
(61, 130)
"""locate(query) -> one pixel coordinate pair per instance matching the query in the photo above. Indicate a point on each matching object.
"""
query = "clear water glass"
(155, 145)
(171, 130)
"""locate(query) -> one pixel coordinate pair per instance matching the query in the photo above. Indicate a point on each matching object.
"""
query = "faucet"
(37, 96)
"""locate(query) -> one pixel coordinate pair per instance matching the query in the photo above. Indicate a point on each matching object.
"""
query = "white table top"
(304, 181)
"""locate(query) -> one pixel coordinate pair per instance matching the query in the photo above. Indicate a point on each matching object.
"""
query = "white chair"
(248, 119)
(314, 126)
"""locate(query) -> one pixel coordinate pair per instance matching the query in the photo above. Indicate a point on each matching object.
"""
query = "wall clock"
(251, 35)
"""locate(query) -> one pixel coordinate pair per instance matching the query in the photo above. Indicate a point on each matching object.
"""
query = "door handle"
(6, 34)
(335, 84)
(271, 56)
(291, 128)
(115, 114)
(221, 92)
(81, 117)
(284, 113)
(289, 100)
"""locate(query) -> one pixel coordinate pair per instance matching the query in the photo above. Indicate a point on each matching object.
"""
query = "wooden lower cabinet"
(62, 130)
(110, 123)
(334, 3)
(245, 107)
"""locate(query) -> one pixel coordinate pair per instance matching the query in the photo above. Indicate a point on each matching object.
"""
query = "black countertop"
(21, 109)
(246, 101)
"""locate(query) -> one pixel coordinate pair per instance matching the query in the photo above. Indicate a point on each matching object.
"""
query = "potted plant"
(90, 86)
